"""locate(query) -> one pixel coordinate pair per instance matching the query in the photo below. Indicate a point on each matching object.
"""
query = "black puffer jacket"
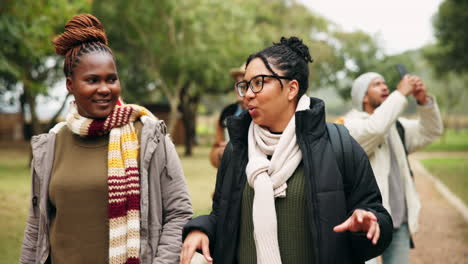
(331, 198)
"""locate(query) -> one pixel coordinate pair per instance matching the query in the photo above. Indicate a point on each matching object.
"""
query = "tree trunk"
(188, 106)
(186, 119)
(194, 101)
(173, 115)
(54, 120)
(30, 99)
(189, 119)
(25, 131)
(173, 96)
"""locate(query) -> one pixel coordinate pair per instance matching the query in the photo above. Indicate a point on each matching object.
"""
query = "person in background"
(234, 109)
(107, 184)
(376, 123)
(280, 196)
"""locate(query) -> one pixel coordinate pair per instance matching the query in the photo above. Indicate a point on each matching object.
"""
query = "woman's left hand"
(361, 221)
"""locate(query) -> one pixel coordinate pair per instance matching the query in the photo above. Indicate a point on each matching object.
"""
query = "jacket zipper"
(313, 201)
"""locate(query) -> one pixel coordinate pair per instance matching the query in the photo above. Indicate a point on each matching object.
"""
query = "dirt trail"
(443, 232)
(428, 155)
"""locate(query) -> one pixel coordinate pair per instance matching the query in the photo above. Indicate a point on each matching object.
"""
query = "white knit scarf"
(268, 178)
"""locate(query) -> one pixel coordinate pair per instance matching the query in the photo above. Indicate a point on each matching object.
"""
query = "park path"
(443, 232)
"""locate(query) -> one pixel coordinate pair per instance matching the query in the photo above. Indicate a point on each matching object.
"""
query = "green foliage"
(27, 28)
(358, 53)
(452, 92)
(450, 88)
(26, 31)
(387, 67)
(161, 48)
(453, 172)
(451, 51)
(168, 45)
(177, 51)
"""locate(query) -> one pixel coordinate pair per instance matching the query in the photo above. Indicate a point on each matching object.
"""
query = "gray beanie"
(360, 86)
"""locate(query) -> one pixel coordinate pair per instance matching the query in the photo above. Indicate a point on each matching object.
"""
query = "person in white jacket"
(373, 122)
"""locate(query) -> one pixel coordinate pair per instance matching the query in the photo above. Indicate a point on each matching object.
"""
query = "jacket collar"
(311, 122)
(238, 127)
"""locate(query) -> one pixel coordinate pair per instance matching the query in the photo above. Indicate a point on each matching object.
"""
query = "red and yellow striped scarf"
(123, 176)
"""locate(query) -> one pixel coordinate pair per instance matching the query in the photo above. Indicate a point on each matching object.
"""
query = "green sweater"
(294, 237)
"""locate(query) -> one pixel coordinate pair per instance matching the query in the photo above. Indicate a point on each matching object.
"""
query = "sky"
(399, 25)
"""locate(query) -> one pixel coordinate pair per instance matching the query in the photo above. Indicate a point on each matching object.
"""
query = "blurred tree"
(289, 18)
(356, 53)
(452, 93)
(450, 88)
(182, 50)
(26, 55)
(387, 67)
(451, 52)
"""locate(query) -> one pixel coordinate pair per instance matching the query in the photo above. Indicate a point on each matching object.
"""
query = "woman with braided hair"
(280, 196)
(108, 185)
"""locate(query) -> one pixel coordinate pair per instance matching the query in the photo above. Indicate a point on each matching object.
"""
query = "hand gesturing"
(361, 221)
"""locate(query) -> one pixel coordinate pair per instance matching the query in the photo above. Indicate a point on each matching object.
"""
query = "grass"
(451, 140)
(14, 197)
(453, 172)
(201, 178)
(15, 186)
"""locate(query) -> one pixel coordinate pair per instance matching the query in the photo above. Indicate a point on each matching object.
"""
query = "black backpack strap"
(401, 133)
(340, 140)
(335, 141)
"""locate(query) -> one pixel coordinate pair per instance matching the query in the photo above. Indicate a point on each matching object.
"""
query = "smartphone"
(401, 69)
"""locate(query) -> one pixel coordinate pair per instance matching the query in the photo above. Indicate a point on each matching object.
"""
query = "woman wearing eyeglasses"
(280, 196)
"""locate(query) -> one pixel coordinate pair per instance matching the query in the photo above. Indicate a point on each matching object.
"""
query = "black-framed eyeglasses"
(256, 83)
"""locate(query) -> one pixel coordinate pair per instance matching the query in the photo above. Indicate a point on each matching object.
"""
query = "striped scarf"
(123, 176)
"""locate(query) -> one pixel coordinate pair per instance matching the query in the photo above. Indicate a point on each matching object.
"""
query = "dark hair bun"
(80, 29)
(298, 47)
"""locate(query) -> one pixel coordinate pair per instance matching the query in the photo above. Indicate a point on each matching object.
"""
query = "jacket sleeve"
(29, 246)
(363, 193)
(370, 132)
(177, 208)
(419, 133)
(207, 223)
(219, 138)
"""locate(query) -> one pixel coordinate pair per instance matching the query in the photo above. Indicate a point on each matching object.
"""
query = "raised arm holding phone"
(376, 124)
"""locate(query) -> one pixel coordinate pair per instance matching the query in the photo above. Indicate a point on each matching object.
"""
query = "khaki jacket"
(165, 203)
(371, 132)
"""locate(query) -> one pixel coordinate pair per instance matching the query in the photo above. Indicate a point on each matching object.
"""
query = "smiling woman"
(95, 85)
(96, 198)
